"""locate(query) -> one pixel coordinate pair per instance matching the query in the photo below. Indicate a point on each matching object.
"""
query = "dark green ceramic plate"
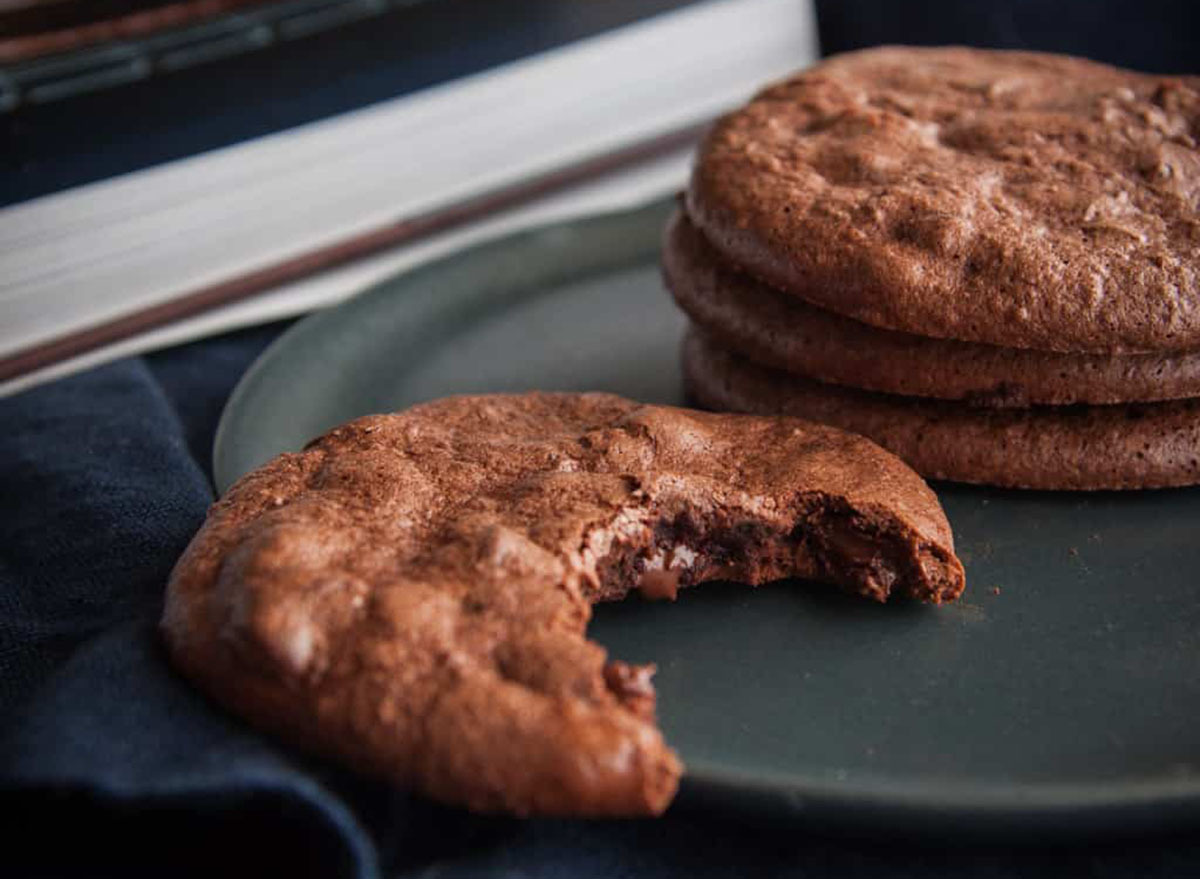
(1062, 692)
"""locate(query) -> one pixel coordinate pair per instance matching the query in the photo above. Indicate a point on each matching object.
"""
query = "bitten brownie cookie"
(786, 333)
(410, 593)
(1012, 198)
(1152, 445)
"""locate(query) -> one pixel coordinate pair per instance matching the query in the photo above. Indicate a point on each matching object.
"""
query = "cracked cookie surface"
(1012, 198)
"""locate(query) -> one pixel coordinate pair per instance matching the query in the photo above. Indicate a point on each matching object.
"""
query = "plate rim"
(314, 322)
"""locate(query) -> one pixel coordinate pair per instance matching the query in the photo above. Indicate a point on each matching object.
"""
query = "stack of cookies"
(987, 262)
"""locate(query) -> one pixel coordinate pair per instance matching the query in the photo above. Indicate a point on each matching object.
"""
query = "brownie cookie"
(1012, 198)
(786, 333)
(1155, 445)
(410, 593)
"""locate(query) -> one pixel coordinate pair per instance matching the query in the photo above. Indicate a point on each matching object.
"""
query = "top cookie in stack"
(989, 262)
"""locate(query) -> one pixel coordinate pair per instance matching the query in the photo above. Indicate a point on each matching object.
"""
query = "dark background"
(1158, 36)
(65, 143)
(109, 766)
(77, 140)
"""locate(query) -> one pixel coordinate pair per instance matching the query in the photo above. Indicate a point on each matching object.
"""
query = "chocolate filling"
(831, 546)
(826, 545)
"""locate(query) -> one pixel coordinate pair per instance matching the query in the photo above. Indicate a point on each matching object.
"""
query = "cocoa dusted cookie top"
(1014, 198)
(410, 593)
